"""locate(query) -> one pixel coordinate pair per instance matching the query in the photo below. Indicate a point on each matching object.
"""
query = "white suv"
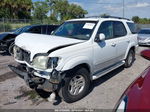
(78, 52)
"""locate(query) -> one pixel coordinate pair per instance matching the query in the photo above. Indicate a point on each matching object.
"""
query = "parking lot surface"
(104, 93)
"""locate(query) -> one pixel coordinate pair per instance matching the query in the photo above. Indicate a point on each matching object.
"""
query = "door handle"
(113, 44)
(128, 41)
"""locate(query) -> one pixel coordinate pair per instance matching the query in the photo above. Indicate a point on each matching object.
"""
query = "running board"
(109, 69)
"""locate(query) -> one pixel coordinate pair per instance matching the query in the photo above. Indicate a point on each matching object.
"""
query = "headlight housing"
(40, 62)
(44, 62)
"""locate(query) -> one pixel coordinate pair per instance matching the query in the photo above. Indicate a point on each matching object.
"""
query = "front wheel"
(75, 86)
(11, 49)
(130, 58)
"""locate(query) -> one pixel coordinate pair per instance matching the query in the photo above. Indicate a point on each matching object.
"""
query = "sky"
(139, 8)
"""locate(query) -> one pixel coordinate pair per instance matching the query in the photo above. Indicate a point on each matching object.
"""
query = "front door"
(105, 51)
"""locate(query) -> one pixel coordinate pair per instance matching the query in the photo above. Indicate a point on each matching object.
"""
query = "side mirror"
(52, 32)
(100, 37)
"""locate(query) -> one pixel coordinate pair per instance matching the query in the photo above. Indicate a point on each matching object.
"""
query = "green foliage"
(5, 27)
(15, 8)
(40, 10)
(61, 10)
(51, 11)
(104, 15)
(138, 20)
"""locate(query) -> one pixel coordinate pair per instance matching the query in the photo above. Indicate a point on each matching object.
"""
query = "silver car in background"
(144, 36)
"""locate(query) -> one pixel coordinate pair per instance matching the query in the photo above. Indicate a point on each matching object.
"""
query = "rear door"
(122, 39)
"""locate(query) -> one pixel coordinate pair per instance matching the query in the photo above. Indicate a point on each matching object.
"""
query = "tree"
(136, 19)
(12, 9)
(40, 10)
(103, 15)
(62, 10)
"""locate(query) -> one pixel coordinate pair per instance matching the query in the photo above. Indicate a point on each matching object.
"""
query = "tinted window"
(119, 29)
(23, 29)
(44, 29)
(35, 29)
(50, 29)
(132, 27)
(144, 31)
(107, 29)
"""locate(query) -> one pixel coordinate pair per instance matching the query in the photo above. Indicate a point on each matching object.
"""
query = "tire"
(10, 49)
(66, 91)
(130, 59)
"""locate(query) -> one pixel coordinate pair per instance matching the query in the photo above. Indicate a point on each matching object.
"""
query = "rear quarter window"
(132, 27)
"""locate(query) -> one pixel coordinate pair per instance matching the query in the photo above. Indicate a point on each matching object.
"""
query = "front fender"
(77, 61)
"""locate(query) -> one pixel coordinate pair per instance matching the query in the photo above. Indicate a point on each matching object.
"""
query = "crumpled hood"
(37, 43)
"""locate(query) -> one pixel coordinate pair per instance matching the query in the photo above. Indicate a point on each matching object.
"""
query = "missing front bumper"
(35, 82)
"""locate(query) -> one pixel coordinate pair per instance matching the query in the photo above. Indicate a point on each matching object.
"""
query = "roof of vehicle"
(43, 25)
(97, 18)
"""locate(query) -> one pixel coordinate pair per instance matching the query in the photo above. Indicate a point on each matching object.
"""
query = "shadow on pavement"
(105, 78)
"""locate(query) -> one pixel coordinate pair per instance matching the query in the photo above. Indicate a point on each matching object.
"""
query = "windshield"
(76, 30)
(144, 32)
(21, 30)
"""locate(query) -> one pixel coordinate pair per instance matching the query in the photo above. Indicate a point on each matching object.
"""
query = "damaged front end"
(36, 82)
(3, 46)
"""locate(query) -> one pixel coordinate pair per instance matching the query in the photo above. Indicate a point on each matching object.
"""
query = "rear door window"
(119, 29)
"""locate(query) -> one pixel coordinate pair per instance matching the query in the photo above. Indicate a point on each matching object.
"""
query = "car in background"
(144, 36)
(137, 96)
(7, 38)
(146, 54)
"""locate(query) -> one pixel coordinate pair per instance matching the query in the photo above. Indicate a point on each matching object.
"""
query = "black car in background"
(7, 38)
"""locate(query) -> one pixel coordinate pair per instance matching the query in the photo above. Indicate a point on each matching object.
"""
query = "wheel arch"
(132, 47)
(76, 64)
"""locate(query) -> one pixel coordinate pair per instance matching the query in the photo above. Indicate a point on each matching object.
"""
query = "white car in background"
(78, 52)
(144, 36)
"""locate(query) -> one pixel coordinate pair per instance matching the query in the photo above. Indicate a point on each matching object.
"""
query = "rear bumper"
(37, 82)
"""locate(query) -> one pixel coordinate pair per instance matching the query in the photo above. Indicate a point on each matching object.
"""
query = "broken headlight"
(40, 62)
(45, 62)
(53, 62)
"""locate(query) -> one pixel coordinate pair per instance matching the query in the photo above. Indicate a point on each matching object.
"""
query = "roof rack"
(114, 17)
(108, 17)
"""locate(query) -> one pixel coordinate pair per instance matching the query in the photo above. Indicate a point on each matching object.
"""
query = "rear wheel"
(130, 58)
(76, 86)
